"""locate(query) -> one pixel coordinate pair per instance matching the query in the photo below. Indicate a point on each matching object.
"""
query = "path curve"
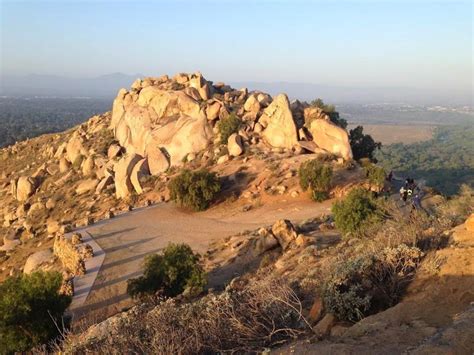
(126, 239)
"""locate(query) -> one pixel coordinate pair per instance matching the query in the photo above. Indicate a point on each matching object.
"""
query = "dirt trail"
(127, 238)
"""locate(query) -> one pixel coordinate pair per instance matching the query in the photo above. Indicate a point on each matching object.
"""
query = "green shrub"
(362, 145)
(29, 307)
(376, 175)
(169, 274)
(315, 176)
(194, 189)
(228, 126)
(356, 212)
(369, 283)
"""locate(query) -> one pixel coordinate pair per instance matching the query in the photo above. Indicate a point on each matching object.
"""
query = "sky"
(416, 44)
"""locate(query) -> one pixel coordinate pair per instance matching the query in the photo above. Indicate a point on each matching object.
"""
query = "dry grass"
(246, 318)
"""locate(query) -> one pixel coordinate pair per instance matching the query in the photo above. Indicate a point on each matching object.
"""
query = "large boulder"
(169, 120)
(64, 165)
(88, 166)
(284, 232)
(25, 187)
(123, 169)
(200, 84)
(330, 137)
(38, 260)
(212, 110)
(158, 162)
(86, 186)
(182, 136)
(74, 148)
(139, 171)
(252, 104)
(281, 130)
(104, 183)
(235, 145)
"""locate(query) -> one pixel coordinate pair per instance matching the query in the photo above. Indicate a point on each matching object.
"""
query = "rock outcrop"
(25, 187)
(167, 119)
(235, 145)
(139, 171)
(123, 170)
(330, 137)
(37, 261)
(69, 255)
(280, 131)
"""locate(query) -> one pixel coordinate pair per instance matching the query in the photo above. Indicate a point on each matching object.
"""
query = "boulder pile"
(162, 121)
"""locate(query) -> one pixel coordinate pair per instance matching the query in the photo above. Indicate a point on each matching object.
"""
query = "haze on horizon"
(405, 45)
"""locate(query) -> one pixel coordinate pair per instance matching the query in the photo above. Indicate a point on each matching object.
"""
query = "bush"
(315, 176)
(376, 175)
(458, 207)
(194, 189)
(356, 212)
(369, 283)
(169, 274)
(30, 308)
(362, 145)
(228, 126)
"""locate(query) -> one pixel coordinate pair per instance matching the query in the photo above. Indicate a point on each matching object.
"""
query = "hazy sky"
(421, 44)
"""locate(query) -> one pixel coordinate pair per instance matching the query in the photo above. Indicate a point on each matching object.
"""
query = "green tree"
(362, 145)
(356, 212)
(194, 189)
(315, 176)
(228, 126)
(30, 310)
(376, 175)
(169, 274)
(330, 110)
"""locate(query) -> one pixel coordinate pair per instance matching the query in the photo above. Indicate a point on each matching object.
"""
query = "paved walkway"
(125, 240)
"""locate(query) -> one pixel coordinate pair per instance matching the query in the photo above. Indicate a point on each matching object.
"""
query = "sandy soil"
(126, 239)
(389, 134)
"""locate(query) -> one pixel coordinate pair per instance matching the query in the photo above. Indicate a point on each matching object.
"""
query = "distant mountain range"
(104, 86)
(107, 86)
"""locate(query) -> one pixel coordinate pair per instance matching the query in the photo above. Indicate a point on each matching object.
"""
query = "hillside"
(297, 239)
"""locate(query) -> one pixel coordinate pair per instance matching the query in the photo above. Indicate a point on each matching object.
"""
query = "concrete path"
(126, 239)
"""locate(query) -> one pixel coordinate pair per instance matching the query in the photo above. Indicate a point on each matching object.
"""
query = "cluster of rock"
(282, 234)
(161, 122)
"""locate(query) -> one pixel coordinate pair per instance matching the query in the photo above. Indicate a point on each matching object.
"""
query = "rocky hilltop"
(155, 120)
(276, 260)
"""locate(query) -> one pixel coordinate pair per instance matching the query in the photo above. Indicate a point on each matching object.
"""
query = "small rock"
(325, 325)
(223, 159)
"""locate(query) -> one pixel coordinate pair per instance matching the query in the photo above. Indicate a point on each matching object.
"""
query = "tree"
(228, 126)
(169, 274)
(194, 189)
(330, 110)
(376, 175)
(30, 310)
(315, 176)
(362, 145)
(356, 212)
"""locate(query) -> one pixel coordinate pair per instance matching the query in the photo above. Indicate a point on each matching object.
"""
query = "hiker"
(403, 194)
(390, 176)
